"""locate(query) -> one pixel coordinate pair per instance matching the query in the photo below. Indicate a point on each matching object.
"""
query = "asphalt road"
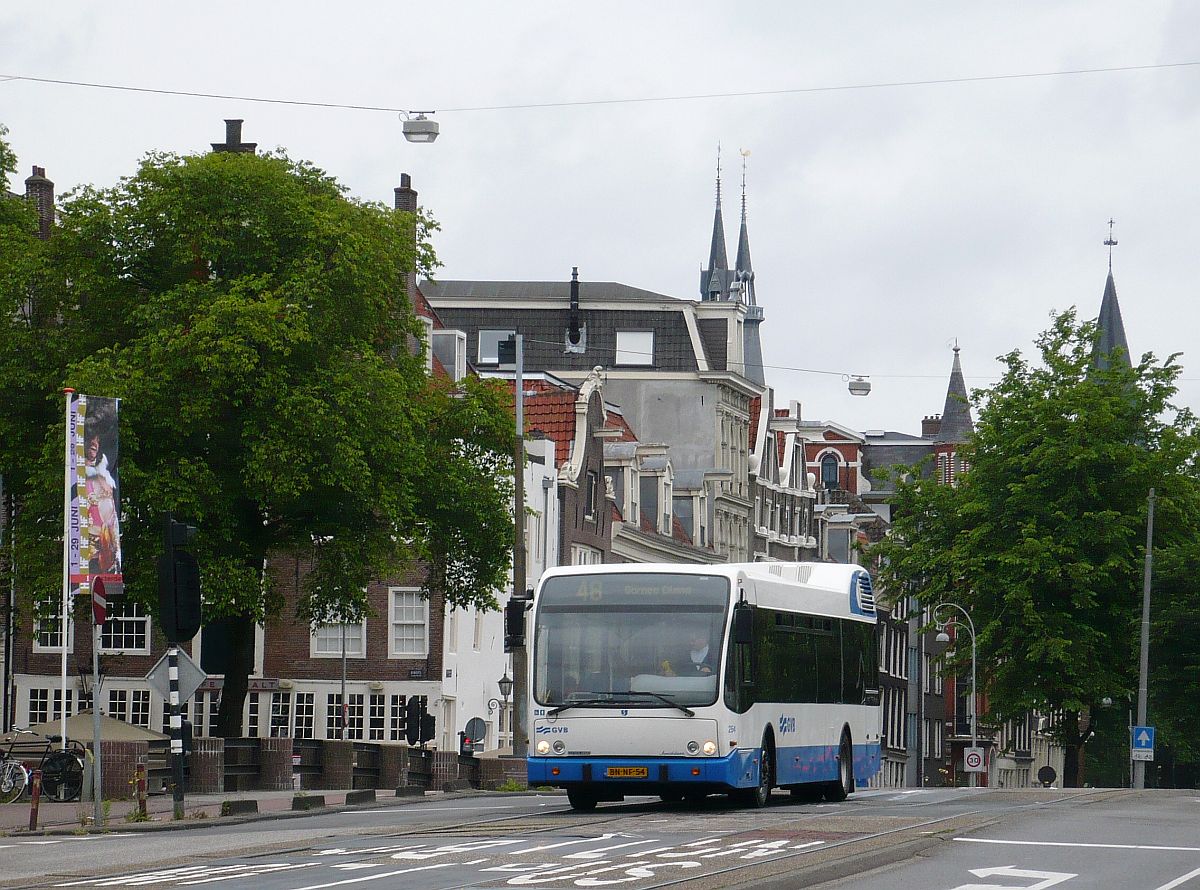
(952, 839)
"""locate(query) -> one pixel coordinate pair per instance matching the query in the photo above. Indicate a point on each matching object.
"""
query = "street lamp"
(944, 637)
(417, 127)
(506, 687)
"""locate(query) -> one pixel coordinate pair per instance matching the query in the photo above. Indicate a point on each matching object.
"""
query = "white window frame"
(147, 633)
(37, 633)
(315, 652)
(392, 622)
(583, 555)
(635, 348)
(493, 356)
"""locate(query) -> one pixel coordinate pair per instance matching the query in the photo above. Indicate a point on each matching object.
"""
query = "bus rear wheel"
(581, 800)
(671, 796)
(836, 792)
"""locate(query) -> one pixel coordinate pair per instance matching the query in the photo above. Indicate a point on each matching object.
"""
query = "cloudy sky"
(885, 222)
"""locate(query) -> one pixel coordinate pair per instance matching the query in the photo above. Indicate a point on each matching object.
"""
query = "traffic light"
(185, 733)
(466, 745)
(514, 624)
(428, 728)
(178, 584)
(412, 720)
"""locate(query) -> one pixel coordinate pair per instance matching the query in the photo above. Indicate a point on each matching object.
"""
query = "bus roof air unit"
(862, 595)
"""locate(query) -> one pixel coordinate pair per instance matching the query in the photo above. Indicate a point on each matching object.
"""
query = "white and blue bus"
(683, 681)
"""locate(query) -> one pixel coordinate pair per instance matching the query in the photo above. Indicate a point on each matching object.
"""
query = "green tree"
(1042, 538)
(254, 321)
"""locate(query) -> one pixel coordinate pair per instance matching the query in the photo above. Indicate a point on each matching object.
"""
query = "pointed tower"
(744, 277)
(955, 428)
(715, 281)
(1112, 329)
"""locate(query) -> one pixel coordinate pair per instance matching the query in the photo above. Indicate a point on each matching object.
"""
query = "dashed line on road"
(983, 840)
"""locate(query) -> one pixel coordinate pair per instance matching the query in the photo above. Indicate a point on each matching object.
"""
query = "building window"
(354, 715)
(635, 347)
(305, 709)
(591, 494)
(327, 640)
(648, 495)
(281, 714)
(409, 636)
(118, 704)
(489, 343)
(477, 631)
(396, 727)
(39, 705)
(582, 555)
(252, 715)
(46, 636)
(829, 471)
(127, 629)
(377, 717)
(139, 708)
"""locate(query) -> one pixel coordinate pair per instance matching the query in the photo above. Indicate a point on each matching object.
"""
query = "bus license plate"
(628, 772)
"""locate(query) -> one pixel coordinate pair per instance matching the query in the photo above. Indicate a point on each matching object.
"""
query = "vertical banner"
(95, 533)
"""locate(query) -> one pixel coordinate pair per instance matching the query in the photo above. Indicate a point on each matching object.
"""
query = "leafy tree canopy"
(1042, 539)
(254, 322)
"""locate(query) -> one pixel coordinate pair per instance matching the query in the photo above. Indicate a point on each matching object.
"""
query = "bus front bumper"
(647, 775)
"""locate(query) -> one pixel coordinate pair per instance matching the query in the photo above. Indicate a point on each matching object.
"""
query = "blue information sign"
(1143, 738)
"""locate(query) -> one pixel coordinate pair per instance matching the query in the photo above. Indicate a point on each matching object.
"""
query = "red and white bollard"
(35, 798)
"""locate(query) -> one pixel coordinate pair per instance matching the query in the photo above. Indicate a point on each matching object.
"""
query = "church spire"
(742, 265)
(714, 281)
(956, 425)
(1111, 330)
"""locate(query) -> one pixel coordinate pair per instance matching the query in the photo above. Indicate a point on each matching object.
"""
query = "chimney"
(233, 139)
(406, 196)
(573, 325)
(40, 191)
(406, 200)
(931, 426)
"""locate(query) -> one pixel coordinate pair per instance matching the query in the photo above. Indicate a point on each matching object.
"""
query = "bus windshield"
(635, 640)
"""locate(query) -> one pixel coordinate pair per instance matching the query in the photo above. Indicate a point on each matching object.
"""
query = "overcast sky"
(884, 223)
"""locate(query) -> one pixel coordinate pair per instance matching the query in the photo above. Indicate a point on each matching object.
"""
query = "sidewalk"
(199, 809)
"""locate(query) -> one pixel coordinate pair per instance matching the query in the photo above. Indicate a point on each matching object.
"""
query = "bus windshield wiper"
(608, 700)
(580, 703)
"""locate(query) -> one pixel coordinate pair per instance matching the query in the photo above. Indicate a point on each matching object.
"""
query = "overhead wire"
(625, 100)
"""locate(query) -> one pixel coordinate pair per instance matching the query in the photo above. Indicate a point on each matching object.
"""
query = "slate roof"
(1112, 329)
(957, 425)
(541, 290)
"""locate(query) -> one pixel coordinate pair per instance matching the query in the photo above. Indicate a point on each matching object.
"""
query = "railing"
(366, 772)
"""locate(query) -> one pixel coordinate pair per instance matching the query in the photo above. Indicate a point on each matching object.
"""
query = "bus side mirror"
(743, 625)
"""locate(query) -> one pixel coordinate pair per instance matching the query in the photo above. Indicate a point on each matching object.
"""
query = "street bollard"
(35, 798)
(141, 790)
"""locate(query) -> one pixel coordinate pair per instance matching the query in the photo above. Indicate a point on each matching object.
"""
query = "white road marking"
(390, 810)
(599, 852)
(1182, 879)
(1046, 878)
(981, 840)
(582, 840)
(386, 874)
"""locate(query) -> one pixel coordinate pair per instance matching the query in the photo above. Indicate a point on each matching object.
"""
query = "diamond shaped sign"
(190, 677)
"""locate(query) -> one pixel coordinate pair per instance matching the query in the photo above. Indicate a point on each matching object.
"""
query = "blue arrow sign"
(1143, 738)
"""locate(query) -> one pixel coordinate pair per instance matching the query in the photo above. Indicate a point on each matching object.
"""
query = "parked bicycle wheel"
(62, 776)
(12, 780)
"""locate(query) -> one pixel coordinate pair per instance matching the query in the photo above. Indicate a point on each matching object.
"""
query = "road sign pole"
(97, 777)
(1139, 767)
(176, 732)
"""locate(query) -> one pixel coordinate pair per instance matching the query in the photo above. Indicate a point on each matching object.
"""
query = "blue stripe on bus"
(739, 769)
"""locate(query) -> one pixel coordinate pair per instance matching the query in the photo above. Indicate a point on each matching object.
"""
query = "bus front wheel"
(835, 792)
(760, 795)
(581, 800)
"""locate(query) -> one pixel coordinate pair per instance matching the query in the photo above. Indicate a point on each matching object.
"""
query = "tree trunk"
(233, 694)
(1072, 765)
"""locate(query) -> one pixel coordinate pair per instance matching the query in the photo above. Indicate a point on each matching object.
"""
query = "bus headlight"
(710, 748)
(693, 748)
(560, 746)
(543, 746)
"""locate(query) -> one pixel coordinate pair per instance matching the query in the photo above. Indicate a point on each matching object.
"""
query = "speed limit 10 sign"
(973, 760)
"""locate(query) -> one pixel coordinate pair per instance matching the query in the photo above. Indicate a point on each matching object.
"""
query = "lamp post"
(506, 687)
(944, 637)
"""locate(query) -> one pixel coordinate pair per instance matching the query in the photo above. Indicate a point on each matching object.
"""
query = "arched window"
(829, 471)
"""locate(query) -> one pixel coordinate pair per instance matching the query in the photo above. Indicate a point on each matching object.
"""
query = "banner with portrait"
(94, 548)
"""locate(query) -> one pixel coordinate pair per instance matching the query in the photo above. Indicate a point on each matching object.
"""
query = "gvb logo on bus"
(786, 725)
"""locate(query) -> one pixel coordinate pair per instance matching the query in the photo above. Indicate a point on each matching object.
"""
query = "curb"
(210, 821)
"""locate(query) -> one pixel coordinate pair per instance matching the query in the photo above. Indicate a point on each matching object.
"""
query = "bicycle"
(62, 770)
